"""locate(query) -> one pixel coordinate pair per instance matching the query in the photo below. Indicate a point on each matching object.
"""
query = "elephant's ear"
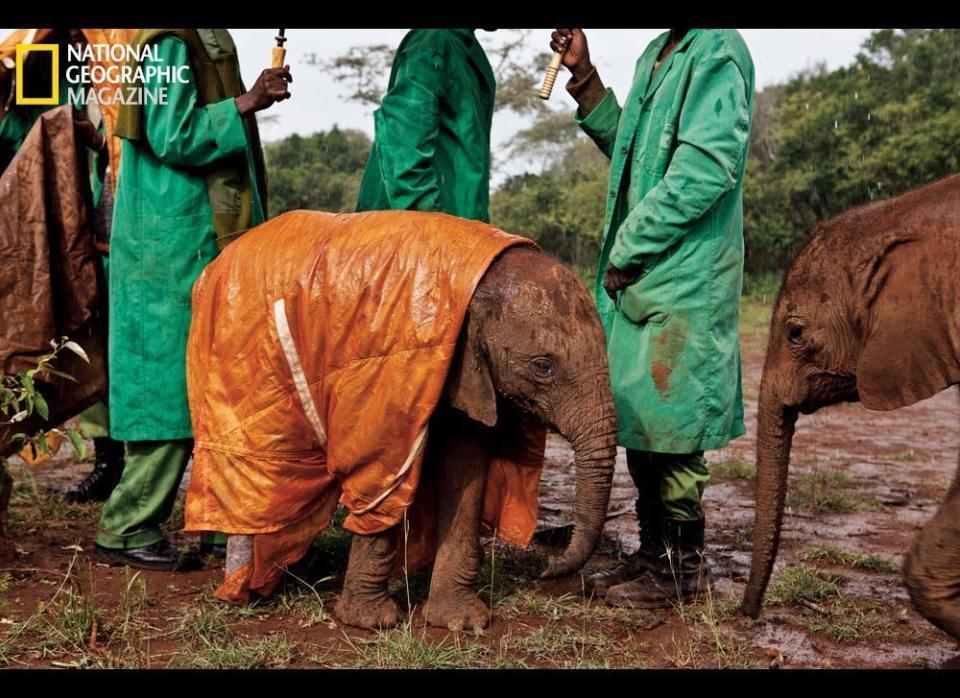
(909, 346)
(469, 385)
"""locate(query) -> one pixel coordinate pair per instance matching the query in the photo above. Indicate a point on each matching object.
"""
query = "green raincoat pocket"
(649, 300)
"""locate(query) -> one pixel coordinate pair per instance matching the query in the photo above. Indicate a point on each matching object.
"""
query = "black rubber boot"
(107, 469)
(162, 555)
(647, 557)
(682, 575)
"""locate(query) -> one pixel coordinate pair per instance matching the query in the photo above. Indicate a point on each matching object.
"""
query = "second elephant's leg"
(460, 474)
(364, 601)
(932, 565)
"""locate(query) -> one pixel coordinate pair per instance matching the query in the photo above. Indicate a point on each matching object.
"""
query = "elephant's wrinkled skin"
(532, 344)
(868, 311)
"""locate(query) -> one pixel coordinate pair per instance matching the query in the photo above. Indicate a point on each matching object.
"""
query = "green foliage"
(828, 141)
(319, 172)
(562, 208)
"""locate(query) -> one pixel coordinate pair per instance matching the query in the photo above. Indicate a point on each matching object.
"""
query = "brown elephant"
(869, 311)
(364, 300)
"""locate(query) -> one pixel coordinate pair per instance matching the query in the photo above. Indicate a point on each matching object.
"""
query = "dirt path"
(862, 483)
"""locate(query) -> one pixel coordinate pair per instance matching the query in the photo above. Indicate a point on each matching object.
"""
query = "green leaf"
(27, 382)
(40, 442)
(40, 404)
(77, 442)
(55, 372)
(76, 349)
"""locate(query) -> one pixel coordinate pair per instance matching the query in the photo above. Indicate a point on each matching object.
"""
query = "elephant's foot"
(376, 612)
(456, 610)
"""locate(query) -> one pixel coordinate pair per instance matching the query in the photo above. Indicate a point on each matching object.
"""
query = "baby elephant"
(528, 348)
(869, 311)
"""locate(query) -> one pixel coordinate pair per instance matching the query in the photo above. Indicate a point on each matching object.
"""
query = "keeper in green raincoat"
(668, 285)
(431, 149)
(191, 180)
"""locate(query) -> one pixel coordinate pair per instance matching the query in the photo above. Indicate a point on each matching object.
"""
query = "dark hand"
(617, 279)
(270, 87)
(87, 132)
(576, 56)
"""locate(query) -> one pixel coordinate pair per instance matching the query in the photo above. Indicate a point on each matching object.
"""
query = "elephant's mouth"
(828, 388)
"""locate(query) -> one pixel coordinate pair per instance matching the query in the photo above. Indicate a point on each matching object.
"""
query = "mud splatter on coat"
(678, 150)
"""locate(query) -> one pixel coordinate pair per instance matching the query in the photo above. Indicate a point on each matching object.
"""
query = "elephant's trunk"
(595, 451)
(775, 425)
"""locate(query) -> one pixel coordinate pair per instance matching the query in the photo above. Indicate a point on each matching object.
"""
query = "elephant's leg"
(932, 565)
(460, 475)
(364, 601)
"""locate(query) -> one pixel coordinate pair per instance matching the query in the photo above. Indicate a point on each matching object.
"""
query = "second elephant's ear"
(469, 385)
(909, 350)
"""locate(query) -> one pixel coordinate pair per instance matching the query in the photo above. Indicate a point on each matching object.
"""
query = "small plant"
(20, 399)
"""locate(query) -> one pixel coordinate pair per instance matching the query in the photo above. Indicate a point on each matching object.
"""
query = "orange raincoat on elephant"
(319, 348)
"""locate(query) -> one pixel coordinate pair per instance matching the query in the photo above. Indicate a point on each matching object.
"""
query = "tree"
(321, 171)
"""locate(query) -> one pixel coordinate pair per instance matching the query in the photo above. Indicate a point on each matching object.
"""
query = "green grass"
(270, 651)
(828, 490)
(733, 469)
(803, 582)
(210, 643)
(834, 555)
(404, 648)
(847, 622)
(568, 647)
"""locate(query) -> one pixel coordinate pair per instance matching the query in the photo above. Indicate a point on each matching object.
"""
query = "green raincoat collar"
(651, 56)
(477, 55)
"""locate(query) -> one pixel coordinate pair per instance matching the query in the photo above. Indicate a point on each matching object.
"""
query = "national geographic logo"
(43, 86)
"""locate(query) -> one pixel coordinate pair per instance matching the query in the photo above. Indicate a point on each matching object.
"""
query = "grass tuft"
(834, 555)
(828, 490)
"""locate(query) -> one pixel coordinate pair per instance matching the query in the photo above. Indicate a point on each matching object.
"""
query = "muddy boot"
(646, 558)
(682, 575)
(107, 469)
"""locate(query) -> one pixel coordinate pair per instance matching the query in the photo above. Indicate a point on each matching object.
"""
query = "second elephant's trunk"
(775, 426)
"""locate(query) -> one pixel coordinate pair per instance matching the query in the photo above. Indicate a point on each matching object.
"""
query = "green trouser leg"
(94, 422)
(144, 497)
(676, 479)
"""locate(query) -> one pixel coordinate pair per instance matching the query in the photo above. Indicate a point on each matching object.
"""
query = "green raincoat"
(431, 149)
(678, 151)
(162, 238)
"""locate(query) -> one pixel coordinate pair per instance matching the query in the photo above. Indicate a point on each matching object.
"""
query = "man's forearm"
(588, 91)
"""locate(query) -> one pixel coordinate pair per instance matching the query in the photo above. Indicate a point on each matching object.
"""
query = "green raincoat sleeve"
(712, 136)
(183, 134)
(407, 130)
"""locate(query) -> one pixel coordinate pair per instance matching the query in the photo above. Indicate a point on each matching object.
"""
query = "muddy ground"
(862, 484)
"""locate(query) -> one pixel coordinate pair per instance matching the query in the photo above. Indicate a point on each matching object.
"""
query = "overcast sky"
(317, 103)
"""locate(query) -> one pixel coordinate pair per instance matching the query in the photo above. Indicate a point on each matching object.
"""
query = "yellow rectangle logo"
(54, 50)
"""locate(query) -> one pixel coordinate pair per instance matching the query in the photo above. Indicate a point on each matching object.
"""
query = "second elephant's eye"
(543, 367)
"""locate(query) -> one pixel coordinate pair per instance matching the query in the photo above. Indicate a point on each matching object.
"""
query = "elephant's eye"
(795, 334)
(543, 367)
